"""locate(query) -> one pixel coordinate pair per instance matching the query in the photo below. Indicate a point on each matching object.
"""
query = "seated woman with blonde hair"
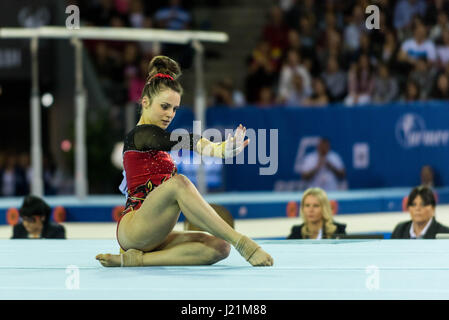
(316, 212)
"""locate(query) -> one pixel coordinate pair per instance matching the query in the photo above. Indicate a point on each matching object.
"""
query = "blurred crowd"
(16, 175)
(122, 66)
(309, 53)
(313, 53)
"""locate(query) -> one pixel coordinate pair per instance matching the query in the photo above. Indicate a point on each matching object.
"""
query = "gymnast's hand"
(235, 145)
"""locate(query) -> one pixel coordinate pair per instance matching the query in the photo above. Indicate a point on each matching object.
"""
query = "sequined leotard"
(146, 161)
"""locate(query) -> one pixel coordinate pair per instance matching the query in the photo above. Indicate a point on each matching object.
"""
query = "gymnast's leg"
(180, 248)
(148, 227)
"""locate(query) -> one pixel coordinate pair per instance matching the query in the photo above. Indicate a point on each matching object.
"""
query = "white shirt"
(286, 88)
(8, 183)
(425, 49)
(423, 232)
(324, 178)
(443, 54)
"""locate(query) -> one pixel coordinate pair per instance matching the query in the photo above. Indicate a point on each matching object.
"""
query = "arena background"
(384, 142)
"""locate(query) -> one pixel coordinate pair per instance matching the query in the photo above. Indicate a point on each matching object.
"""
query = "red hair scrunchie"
(160, 75)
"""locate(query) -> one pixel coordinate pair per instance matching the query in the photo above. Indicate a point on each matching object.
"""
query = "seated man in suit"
(423, 225)
(36, 224)
(316, 212)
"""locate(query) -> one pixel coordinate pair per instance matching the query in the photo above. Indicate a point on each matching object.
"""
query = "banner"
(381, 146)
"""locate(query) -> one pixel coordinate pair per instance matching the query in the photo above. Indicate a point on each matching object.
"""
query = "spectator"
(329, 46)
(441, 90)
(266, 97)
(389, 49)
(330, 22)
(335, 79)
(107, 67)
(130, 60)
(354, 30)
(427, 176)
(417, 47)
(13, 181)
(421, 205)
(261, 71)
(386, 87)
(297, 94)
(122, 6)
(423, 76)
(443, 50)
(101, 13)
(35, 214)
(405, 11)
(24, 162)
(220, 210)
(150, 48)
(323, 168)
(275, 32)
(49, 172)
(360, 82)
(286, 5)
(292, 12)
(365, 48)
(437, 30)
(319, 97)
(173, 17)
(316, 213)
(309, 8)
(136, 82)
(294, 80)
(294, 40)
(224, 93)
(412, 93)
(433, 9)
(307, 30)
(378, 36)
(136, 14)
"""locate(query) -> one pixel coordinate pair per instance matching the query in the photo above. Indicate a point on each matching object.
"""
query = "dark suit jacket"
(402, 230)
(50, 231)
(296, 231)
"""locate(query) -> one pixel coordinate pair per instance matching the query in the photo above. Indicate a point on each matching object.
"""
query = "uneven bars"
(126, 34)
(106, 33)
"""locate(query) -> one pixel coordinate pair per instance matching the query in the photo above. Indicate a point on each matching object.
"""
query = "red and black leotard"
(146, 161)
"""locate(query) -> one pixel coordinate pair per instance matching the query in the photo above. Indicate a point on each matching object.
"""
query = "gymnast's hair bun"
(165, 65)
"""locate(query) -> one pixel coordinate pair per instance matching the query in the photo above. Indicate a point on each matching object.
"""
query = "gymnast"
(156, 194)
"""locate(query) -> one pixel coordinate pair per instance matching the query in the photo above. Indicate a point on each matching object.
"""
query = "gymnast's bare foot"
(253, 253)
(109, 260)
(131, 258)
(260, 258)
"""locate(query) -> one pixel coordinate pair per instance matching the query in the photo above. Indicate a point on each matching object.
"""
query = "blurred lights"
(66, 145)
(116, 156)
(47, 100)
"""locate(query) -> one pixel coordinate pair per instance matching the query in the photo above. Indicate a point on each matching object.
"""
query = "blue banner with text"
(380, 146)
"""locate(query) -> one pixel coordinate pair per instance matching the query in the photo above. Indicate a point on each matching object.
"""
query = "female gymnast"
(157, 194)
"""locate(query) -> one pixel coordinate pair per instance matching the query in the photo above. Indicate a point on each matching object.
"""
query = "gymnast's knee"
(222, 249)
(181, 182)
